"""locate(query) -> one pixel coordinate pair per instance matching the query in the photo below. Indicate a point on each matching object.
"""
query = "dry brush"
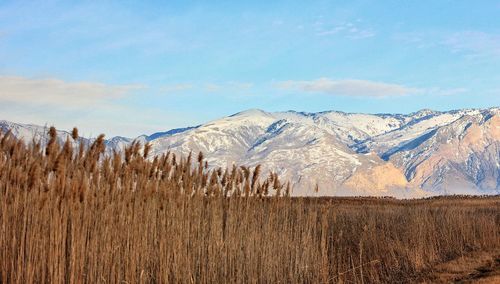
(70, 214)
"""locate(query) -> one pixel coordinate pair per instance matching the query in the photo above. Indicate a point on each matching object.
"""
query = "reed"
(70, 214)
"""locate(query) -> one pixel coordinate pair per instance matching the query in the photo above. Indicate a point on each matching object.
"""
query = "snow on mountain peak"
(250, 112)
(346, 153)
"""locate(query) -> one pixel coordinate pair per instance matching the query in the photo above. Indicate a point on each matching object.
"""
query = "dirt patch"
(479, 267)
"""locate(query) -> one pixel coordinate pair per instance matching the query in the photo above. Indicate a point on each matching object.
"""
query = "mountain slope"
(426, 152)
(463, 156)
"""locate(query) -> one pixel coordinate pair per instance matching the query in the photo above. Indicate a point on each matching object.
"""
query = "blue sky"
(133, 67)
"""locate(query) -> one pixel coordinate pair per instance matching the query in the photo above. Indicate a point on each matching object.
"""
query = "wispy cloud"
(59, 93)
(417, 39)
(349, 29)
(471, 44)
(93, 107)
(228, 86)
(176, 88)
(475, 43)
(212, 87)
(350, 88)
(443, 91)
(233, 88)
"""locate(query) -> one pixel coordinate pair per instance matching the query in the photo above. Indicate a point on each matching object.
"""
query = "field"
(69, 214)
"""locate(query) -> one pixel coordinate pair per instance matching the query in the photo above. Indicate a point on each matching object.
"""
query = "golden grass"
(78, 217)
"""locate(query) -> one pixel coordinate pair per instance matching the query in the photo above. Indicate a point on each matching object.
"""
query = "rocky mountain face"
(419, 154)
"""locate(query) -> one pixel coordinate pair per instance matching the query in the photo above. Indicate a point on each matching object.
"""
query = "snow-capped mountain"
(418, 154)
(31, 132)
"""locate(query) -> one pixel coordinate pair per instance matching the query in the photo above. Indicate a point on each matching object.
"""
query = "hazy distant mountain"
(426, 152)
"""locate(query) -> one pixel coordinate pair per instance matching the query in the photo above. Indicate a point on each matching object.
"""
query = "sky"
(136, 67)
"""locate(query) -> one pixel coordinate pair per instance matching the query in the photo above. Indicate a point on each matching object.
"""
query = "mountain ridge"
(404, 155)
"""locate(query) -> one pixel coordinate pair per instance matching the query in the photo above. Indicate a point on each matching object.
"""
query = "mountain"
(31, 132)
(403, 155)
(461, 156)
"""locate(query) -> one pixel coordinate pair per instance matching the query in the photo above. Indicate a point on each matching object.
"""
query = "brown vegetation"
(476, 267)
(70, 214)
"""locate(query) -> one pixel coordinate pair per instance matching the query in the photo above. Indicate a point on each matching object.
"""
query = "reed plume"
(98, 216)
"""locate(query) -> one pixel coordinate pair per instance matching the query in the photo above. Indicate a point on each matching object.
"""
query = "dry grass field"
(71, 215)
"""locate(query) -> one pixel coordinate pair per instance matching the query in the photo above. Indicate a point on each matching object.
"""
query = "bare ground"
(479, 267)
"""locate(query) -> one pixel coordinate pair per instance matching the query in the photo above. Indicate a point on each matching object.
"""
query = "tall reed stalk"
(69, 214)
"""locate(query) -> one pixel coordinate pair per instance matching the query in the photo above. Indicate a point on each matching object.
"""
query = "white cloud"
(348, 29)
(444, 92)
(474, 42)
(58, 93)
(93, 107)
(471, 44)
(240, 85)
(350, 87)
(230, 86)
(211, 87)
(176, 88)
(417, 39)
